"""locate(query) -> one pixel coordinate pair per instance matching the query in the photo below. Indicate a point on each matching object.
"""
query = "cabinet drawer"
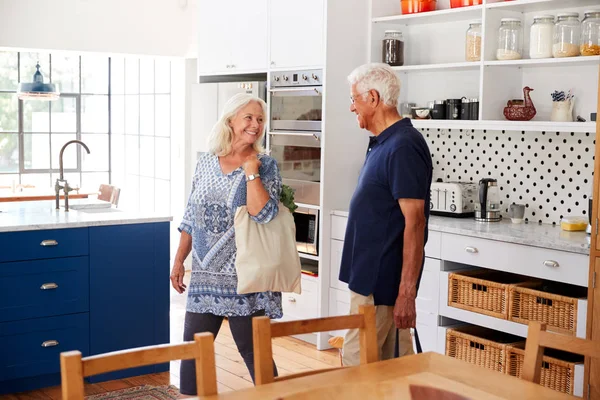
(428, 295)
(338, 227)
(43, 288)
(301, 306)
(335, 262)
(339, 304)
(434, 244)
(23, 351)
(559, 266)
(427, 328)
(34, 245)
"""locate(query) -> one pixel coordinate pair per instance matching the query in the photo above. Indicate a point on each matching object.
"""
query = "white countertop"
(529, 234)
(38, 215)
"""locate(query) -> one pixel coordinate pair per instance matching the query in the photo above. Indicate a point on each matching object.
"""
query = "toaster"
(453, 199)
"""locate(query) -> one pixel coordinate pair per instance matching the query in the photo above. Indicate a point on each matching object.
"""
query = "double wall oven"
(294, 140)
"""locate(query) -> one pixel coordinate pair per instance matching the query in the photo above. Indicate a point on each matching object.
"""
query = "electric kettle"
(489, 201)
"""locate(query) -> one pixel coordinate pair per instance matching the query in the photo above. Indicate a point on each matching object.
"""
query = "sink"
(99, 210)
(84, 204)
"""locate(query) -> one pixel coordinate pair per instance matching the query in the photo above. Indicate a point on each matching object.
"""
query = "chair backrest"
(264, 330)
(538, 339)
(109, 193)
(73, 368)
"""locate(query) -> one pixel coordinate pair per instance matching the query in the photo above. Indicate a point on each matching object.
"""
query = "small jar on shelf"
(510, 39)
(567, 32)
(541, 36)
(393, 48)
(473, 41)
(590, 34)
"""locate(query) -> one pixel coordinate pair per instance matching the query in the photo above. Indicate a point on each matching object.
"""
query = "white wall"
(150, 27)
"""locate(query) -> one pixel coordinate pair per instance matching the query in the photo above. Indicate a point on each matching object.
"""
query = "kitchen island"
(94, 280)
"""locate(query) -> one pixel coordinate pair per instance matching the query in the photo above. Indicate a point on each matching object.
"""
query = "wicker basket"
(555, 305)
(484, 291)
(558, 367)
(480, 346)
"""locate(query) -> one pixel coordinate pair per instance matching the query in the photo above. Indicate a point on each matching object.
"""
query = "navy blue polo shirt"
(397, 166)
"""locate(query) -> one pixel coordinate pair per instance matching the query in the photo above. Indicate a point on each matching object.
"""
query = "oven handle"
(295, 89)
(315, 135)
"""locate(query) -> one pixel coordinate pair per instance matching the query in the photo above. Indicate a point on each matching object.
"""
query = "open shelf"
(459, 66)
(547, 62)
(537, 126)
(447, 15)
(308, 256)
(527, 6)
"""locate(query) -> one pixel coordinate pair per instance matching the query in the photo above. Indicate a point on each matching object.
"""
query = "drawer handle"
(550, 263)
(47, 243)
(50, 343)
(49, 286)
(471, 250)
(291, 300)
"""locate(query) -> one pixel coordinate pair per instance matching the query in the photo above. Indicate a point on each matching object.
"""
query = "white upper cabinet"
(232, 36)
(297, 33)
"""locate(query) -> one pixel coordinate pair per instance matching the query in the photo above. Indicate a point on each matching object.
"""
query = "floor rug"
(145, 392)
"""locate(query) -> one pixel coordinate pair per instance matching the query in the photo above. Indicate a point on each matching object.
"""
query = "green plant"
(287, 198)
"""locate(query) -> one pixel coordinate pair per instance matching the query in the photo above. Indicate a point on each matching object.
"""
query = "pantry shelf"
(447, 15)
(527, 6)
(546, 62)
(464, 66)
(528, 126)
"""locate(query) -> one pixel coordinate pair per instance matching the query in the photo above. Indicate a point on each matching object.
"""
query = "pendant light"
(38, 90)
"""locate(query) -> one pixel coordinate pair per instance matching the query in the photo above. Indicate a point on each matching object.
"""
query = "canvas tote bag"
(267, 257)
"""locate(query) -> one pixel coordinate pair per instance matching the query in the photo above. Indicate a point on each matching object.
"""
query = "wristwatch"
(252, 177)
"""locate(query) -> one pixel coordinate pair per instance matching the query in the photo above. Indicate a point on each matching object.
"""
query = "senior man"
(383, 253)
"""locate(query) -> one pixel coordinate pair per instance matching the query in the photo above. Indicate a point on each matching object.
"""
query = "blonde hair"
(380, 77)
(221, 135)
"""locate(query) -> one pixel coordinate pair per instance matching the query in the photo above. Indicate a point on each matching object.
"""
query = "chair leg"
(71, 375)
(369, 352)
(206, 372)
(263, 351)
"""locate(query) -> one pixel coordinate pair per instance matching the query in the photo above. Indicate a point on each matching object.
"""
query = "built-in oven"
(307, 230)
(294, 139)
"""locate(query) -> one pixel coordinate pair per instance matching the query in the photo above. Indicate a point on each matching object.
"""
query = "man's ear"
(374, 99)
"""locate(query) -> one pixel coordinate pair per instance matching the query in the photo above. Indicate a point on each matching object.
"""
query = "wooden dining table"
(392, 379)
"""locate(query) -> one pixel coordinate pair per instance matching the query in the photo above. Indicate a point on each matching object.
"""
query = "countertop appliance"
(453, 199)
(588, 230)
(307, 230)
(488, 209)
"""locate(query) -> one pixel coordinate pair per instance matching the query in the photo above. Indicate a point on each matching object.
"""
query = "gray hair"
(221, 135)
(380, 77)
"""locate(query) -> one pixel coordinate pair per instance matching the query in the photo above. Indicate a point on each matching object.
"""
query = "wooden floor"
(291, 355)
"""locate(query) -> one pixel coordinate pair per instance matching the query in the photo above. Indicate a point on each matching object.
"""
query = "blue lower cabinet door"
(129, 290)
(32, 347)
(44, 288)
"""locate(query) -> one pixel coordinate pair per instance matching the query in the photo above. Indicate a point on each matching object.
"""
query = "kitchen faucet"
(65, 185)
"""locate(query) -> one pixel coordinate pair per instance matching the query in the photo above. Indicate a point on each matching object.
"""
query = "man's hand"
(405, 314)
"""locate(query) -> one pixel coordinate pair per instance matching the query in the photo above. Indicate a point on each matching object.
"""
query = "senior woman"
(233, 173)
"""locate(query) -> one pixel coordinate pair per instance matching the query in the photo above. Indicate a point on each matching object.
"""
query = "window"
(119, 107)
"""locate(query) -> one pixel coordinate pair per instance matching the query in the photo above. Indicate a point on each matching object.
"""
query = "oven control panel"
(311, 77)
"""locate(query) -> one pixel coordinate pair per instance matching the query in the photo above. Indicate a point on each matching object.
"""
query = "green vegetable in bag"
(287, 198)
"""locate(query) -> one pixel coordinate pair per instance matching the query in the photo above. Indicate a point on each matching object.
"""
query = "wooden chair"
(73, 368)
(109, 193)
(538, 339)
(264, 330)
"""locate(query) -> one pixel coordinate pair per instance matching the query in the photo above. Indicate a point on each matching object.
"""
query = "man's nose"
(352, 108)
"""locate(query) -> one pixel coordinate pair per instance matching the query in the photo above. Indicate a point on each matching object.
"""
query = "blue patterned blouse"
(208, 218)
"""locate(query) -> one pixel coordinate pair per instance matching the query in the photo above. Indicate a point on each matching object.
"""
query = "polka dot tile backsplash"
(550, 172)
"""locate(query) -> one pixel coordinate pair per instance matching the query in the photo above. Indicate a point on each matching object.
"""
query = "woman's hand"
(251, 165)
(177, 277)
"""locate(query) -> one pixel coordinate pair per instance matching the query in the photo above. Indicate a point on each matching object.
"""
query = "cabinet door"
(334, 265)
(214, 36)
(247, 26)
(297, 38)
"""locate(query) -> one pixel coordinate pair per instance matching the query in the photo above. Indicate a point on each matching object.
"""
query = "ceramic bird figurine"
(520, 112)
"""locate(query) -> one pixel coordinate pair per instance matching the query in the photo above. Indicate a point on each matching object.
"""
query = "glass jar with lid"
(473, 41)
(392, 50)
(510, 39)
(541, 36)
(567, 31)
(590, 33)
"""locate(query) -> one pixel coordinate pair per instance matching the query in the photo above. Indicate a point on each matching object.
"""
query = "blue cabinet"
(95, 290)
(129, 275)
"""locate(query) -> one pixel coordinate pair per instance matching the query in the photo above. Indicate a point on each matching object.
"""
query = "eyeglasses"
(352, 98)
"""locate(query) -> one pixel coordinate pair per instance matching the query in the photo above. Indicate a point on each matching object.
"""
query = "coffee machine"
(489, 201)
(588, 230)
